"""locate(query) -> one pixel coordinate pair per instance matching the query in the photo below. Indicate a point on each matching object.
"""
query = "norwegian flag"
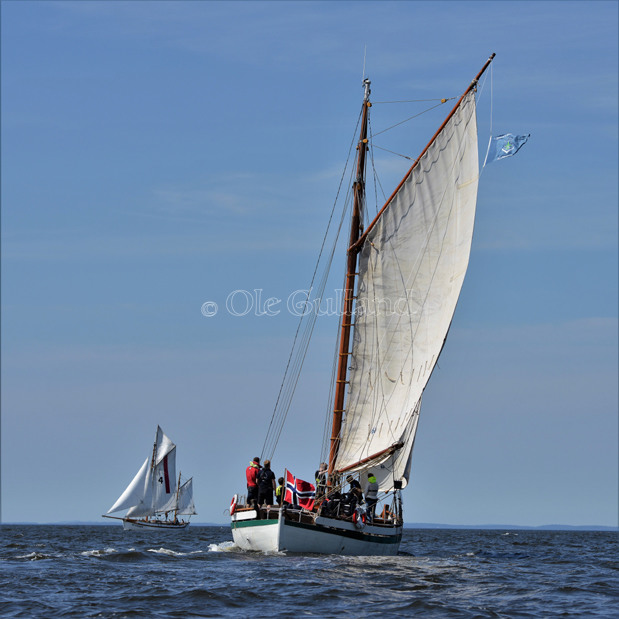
(298, 492)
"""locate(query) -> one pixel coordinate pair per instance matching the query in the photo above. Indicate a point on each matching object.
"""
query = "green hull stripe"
(252, 523)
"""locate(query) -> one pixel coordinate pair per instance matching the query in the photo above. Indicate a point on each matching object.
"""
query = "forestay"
(411, 268)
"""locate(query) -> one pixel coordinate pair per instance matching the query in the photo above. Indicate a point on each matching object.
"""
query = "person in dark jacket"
(353, 497)
(355, 489)
(266, 484)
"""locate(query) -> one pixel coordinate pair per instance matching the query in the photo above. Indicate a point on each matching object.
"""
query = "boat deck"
(303, 516)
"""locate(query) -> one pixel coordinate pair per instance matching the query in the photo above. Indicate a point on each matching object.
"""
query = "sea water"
(103, 571)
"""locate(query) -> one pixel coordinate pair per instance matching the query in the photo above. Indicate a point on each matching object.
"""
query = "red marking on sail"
(166, 476)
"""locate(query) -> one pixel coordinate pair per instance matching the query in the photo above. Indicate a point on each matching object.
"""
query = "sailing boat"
(155, 498)
(404, 275)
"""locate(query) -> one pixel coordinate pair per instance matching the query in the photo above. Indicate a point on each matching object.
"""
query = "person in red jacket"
(252, 472)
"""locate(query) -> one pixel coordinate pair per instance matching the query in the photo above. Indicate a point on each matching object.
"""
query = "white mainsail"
(411, 268)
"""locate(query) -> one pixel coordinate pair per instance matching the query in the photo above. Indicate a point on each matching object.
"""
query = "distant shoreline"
(416, 525)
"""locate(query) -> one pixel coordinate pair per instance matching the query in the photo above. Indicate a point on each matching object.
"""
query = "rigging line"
(354, 310)
(326, 446)
(326, 436)
(491, 93)
(392, 152)
(377, 185)
(483, 167)
(302, 348)
(329, 406)
(377, 182)
(411, 117)
(310, 323)
(287, 391)
(307, 335)
(442, 100)
(290, 387)
(314, 274)
(371, 152)
(326, 440)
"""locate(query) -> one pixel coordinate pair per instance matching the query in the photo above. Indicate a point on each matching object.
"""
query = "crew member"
(251, 472)
(371, 495)
(279, 492)
(266, 484)
(321, 480)
(355, 495)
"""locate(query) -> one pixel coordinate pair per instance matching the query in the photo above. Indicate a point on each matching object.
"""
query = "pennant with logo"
(298, 492)
(505, 145)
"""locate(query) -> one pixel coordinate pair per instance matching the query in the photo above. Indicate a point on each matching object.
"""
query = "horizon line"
(407, 525)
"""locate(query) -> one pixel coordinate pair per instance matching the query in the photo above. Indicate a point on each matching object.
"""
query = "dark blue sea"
(103, 571)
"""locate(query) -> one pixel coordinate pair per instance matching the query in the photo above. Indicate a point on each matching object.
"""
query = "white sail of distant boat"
(404, 274)
(155, 497)
(184, 504)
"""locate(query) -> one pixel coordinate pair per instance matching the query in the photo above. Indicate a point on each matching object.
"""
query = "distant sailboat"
(155, 498)
(404, 274)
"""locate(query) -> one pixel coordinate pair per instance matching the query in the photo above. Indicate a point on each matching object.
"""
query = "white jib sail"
(136, 491)
(185, 504)
(411, 270)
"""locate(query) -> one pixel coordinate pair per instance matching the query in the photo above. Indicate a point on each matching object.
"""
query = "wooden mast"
(349, 289)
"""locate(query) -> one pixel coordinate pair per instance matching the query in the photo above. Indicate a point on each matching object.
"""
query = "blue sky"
(156, 156)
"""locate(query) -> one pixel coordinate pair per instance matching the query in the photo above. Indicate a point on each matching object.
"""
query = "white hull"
(324, 536)
(143, 525)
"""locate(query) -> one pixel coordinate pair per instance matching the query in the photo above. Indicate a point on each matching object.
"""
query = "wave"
(99, 553)
(34, 556)
(167, 551)
(222, 547)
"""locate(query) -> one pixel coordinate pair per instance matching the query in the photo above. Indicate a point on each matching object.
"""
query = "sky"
(160, 156)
